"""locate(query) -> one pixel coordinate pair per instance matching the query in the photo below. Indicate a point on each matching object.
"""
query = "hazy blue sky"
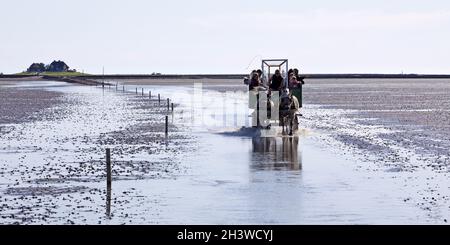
(205, 36)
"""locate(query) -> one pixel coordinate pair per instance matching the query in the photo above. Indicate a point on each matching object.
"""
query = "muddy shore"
(52, 167)
(19, 105)
(415, 111)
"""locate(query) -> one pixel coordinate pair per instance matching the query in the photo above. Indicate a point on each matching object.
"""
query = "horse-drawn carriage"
(275, 108)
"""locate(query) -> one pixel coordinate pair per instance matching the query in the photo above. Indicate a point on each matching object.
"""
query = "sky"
(227, 36)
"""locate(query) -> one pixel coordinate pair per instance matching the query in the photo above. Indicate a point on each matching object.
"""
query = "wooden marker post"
(167, 125)
(108, 168)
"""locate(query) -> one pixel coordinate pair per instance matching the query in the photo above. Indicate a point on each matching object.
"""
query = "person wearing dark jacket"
(254, 81)
(276, 81)
(298, 77)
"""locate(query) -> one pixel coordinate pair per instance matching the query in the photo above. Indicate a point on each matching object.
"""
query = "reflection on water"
(276, 153)
(108, 201)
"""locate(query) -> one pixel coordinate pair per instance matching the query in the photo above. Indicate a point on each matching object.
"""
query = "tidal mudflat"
(369, 152)
(52, 164)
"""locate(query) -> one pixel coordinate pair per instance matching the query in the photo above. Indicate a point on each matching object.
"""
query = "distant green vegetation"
(53, 74)
(64, 74)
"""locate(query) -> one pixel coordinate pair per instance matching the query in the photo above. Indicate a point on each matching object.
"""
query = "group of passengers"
(276, 82)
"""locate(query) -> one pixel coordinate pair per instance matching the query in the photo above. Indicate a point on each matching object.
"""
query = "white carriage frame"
(268, 64)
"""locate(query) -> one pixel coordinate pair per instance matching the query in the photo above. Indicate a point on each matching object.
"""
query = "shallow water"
(236, 182)
(276, 180)
(223, 177)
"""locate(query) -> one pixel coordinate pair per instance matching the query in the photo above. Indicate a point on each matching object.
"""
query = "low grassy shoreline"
(51, 74)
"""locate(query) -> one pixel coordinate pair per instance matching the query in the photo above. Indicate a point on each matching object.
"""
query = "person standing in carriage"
(293, 81)
(298, 77)
(295, 87)
(276, 83)
(262, 78)
(254, 81)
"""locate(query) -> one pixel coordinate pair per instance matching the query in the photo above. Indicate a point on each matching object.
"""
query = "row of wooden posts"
(170, 106)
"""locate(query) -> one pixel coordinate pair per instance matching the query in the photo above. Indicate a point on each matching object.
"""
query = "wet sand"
(416, 111)
(395, 125)
(52, 167)
(18, 105)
